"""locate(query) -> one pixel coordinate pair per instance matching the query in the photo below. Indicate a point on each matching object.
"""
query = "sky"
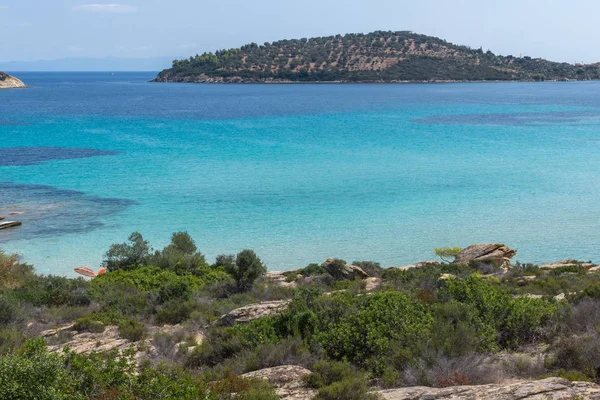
(30, 30)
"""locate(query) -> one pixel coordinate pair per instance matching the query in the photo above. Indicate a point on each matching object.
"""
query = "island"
(374, 57)
(10, 82)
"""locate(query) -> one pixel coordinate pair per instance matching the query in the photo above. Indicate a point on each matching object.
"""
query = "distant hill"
(112, 64)
(374, 57)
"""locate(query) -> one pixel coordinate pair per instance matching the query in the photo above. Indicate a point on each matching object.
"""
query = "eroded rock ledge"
(546, 389)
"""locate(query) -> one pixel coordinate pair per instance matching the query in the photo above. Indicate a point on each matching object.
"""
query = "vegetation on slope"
(420, 327)
(373, 57)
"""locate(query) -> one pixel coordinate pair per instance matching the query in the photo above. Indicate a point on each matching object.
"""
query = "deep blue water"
(299, 173)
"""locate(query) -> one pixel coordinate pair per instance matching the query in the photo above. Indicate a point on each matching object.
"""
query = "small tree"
(446, 253)
(127, 255)
(247, 268)
(183, 242)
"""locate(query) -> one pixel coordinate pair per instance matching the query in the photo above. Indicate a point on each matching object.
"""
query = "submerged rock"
(9, 224)
(550, 389)
(340, 270)
(287, 381)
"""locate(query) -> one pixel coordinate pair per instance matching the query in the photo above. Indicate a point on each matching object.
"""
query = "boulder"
(9, 224)
(485, 253)
(253, 311)
(497, 255)
(339, 270)
(287, 381)
(546, 389)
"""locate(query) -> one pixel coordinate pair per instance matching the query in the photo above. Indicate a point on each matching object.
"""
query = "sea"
(298, 172)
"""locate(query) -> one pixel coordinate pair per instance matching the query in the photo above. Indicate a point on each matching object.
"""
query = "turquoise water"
(299, 173)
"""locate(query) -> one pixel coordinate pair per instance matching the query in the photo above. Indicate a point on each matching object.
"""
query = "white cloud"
(3, 7)
(106, 8)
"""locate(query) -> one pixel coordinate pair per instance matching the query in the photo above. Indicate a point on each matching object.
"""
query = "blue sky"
(53, 29)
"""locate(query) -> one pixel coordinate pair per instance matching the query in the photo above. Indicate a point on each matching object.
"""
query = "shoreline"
(289, 82)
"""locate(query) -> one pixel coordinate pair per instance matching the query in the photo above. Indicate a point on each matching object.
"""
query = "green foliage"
(8, 310)
(175, 311)
(360, 329)
(180, 256)
(370, 267)
(368, 57)
(447, 253)
(88, 324)
(247, 268)
(132, 330)
(313, 269)
(338, 380)
(517, 320)
(12, 273)
(127, 255)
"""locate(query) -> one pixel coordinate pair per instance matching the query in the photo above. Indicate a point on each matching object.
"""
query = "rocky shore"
(10, 82)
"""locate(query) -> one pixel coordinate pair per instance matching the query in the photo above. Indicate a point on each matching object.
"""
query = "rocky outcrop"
(253, 311)
(278, 278)
(340, 270)
(420, 264)
(498, 255)
(287, 381)
(567, 263)
(373, 283)
(546, 389)
(10, 82)
(86, 342)
(9, 224)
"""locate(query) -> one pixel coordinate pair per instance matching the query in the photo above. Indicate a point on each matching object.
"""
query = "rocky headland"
(10, 82)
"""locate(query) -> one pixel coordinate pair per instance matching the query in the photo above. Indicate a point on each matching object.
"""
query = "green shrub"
(175, 311)
(127, 255)
(313, 269)
(447, 253)
(363, 329)
(88, 324)
(370, 267)
(132, 330)
(247, 268)
(10, 339)
(338, 380)
(8, 310)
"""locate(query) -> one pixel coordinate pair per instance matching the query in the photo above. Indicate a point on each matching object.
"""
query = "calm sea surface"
(298, 173)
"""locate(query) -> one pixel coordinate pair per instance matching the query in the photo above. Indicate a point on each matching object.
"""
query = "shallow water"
(299, 173)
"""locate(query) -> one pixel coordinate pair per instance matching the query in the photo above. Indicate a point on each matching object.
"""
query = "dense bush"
(127, 255)
(247, 268)
(132, 330)
(88, 324)
(36, 374)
